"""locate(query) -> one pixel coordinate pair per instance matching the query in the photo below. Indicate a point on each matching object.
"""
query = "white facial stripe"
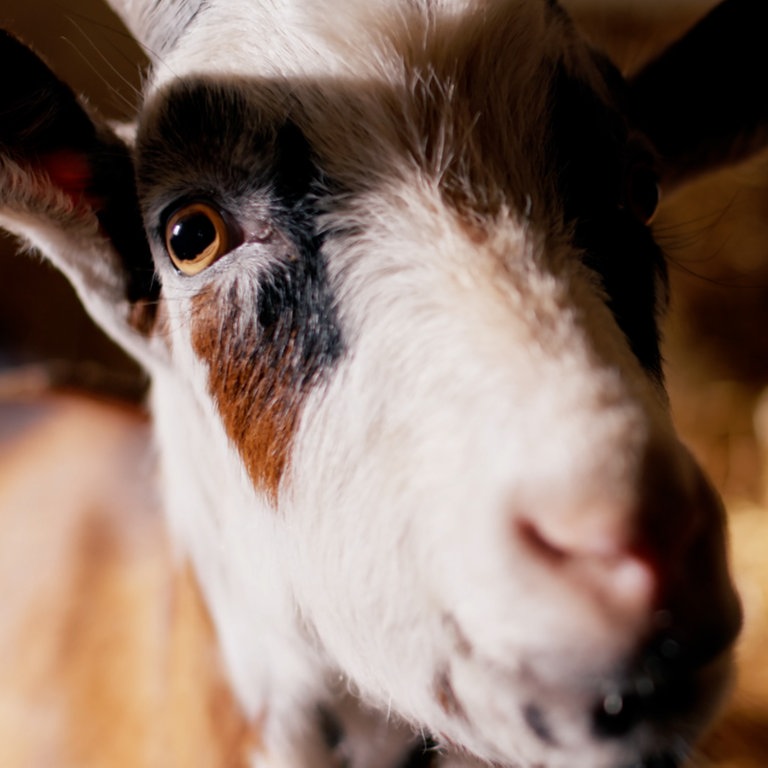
(339, 39)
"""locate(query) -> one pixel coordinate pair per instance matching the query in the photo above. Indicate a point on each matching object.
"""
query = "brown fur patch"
(254, 384)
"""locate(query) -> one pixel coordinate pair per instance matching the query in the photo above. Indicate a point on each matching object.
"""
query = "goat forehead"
(456, 89)
(345, 38)
(443, 104)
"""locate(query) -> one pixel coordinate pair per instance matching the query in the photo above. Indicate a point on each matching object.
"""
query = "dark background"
(715, 234)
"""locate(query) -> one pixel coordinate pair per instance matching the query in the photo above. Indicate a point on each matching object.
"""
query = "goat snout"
(610, 571)
(634, 611)
(649, 544)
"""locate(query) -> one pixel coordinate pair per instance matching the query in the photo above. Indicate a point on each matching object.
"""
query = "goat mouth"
(644, 709)
(671, 689)
(646, 702)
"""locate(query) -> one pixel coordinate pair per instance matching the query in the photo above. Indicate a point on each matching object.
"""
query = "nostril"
(590, 530)
(603, 565)
(541, 545)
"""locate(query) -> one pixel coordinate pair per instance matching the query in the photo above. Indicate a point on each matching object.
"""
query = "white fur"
(484, 386)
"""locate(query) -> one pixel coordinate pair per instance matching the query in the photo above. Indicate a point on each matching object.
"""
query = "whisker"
(119, 31)
(679, 237)
(131, 105)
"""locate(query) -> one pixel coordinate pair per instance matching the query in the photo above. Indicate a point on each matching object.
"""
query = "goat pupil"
(191, 236)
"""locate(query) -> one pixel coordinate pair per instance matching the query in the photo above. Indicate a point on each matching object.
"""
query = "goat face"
(407, 374)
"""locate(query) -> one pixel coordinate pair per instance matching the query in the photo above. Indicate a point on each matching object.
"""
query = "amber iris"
(195, 237)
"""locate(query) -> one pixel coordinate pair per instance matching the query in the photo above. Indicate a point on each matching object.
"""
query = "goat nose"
(602, 563)
(652, 565)
(656, 544)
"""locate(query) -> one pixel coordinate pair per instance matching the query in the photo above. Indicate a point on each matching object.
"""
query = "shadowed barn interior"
(714, 233)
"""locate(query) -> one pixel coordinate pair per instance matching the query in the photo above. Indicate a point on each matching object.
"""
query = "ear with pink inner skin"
(67, 189)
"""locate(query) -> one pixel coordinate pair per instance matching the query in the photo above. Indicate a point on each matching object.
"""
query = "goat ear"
(703, 101)
(67, 188)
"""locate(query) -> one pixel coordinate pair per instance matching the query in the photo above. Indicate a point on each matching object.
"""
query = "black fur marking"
(295, 303)
(265, 345)
(536, 720)
(269, 165)
(593, 151)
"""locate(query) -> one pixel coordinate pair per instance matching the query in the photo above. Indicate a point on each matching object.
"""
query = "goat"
(390, 270)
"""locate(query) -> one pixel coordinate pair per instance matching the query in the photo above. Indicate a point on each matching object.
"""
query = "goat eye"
(196, 236)
(642, 194)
